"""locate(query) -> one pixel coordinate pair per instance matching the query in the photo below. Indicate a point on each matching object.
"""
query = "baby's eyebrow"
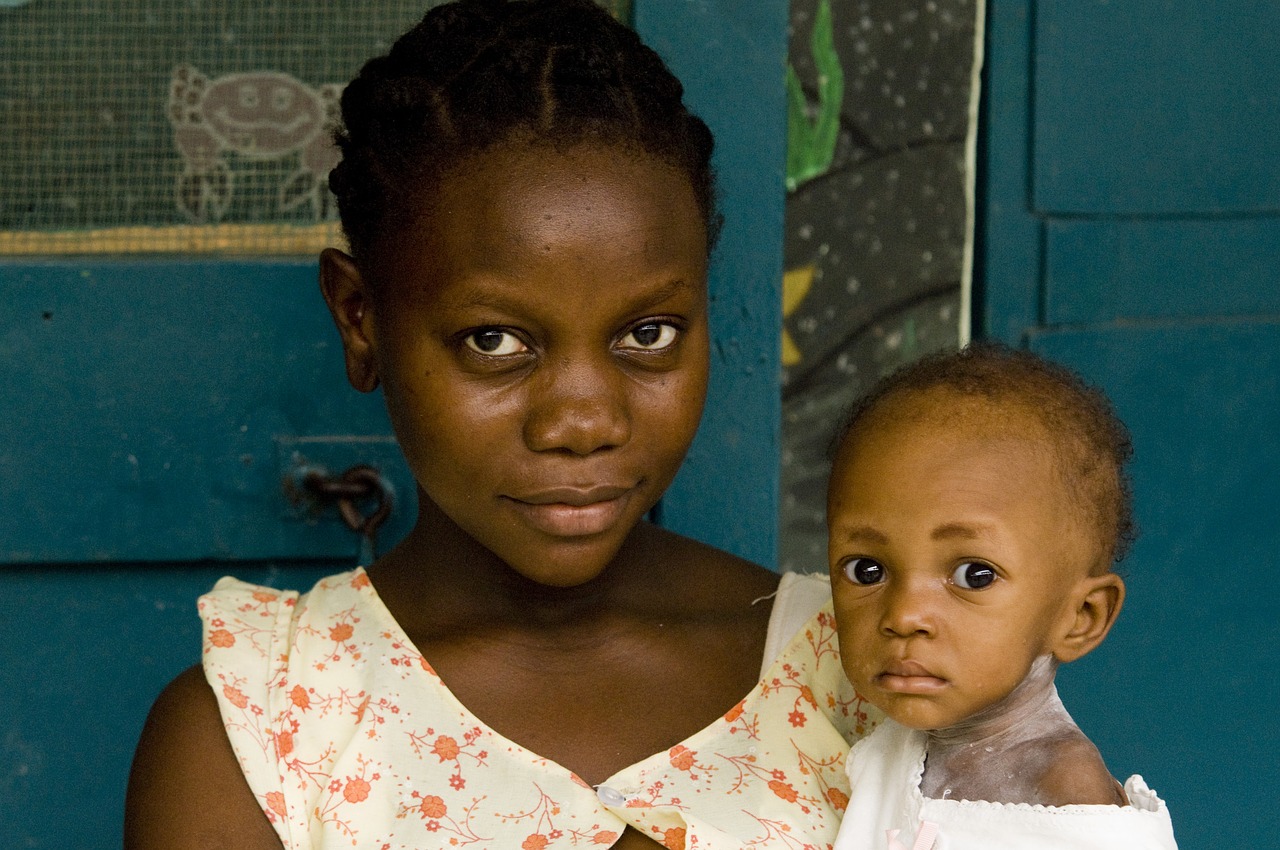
(957, 530)
(865, 534)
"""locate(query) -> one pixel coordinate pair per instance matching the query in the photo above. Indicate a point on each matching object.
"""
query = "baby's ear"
(348, 298)
(1094, 603)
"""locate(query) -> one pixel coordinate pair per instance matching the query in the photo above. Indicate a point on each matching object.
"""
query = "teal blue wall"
(1130, 227)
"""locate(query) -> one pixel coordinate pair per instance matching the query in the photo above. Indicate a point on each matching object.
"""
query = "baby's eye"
(974, 575)
(864, 571)
(494, 342)
(651, 336)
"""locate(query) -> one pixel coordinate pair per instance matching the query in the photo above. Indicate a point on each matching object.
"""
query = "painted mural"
(879, 102)
(265, 115)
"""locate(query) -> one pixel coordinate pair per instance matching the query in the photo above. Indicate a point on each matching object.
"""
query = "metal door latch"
(357, 487)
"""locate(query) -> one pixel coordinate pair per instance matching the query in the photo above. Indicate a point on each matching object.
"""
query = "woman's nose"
(908, 609)
(578, 407)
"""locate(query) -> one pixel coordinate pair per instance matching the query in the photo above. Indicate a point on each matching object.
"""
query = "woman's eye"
(864, 571)
(651, 336)
(974, 575)
(494, 342)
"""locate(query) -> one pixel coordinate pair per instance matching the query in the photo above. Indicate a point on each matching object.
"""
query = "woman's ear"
(349, 300)
(1095, 603)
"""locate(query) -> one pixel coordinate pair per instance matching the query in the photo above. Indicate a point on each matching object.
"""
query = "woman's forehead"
(519, 207)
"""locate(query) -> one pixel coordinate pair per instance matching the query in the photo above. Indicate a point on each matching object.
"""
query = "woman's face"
(541, 338)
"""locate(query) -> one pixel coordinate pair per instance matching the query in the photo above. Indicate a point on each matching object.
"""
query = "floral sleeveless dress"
(348, 738)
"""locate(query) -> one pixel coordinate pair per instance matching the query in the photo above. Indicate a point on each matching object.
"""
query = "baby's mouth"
(909, 677)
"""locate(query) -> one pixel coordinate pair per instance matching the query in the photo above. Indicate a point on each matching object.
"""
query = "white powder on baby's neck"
(999, 753)
(1020, 716)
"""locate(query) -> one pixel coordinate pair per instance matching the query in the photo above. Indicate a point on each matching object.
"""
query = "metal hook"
(358, 484)
(347, 490)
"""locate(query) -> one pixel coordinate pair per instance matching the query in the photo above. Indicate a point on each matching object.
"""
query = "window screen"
(191, 126)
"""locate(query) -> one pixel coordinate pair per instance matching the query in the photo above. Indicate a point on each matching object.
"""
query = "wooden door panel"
(1099, 270)
(154, 409)
(1144, 108)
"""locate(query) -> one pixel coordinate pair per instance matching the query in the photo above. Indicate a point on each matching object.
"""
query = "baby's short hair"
(1092, 445)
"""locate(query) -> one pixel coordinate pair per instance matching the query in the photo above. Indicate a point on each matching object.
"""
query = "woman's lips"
(573, 511)
(909, 677)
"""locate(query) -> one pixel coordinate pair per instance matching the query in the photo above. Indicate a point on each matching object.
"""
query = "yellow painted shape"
(795, 286)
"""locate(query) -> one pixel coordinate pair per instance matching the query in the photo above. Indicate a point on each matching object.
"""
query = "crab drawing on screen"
(257, 116)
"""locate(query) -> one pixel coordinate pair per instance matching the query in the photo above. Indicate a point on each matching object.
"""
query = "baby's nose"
(908, 609)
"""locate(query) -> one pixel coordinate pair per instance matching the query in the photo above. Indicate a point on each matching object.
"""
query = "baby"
(977, 503)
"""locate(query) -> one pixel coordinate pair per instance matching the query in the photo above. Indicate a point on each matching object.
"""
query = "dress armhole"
(800, 596)
(247, 634)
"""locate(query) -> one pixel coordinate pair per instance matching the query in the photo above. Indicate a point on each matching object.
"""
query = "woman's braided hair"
(477, 73)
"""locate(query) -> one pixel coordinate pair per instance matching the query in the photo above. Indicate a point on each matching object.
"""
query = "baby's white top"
(884, 772)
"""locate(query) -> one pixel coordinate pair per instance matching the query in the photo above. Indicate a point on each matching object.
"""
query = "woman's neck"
(441, 573)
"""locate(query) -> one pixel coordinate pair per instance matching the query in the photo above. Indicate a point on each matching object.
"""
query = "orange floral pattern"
(347, 737)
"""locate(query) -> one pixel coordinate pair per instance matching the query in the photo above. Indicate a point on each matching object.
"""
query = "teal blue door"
(154, 408)
(1132, 230)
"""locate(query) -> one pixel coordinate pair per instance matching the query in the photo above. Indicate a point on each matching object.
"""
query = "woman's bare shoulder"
(724, 574)
(186, 789)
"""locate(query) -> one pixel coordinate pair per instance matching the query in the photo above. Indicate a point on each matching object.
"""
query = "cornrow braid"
(477, 73)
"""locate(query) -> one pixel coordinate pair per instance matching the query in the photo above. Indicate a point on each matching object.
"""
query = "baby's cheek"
(855, 654)
(854, 618)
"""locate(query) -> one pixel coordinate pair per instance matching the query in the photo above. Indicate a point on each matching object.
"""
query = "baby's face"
(953, 547)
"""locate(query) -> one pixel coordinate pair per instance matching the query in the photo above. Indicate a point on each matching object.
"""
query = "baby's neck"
(1000, 753)
(1018, 717)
